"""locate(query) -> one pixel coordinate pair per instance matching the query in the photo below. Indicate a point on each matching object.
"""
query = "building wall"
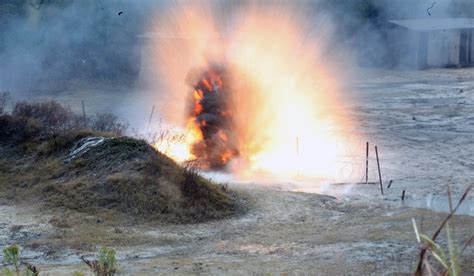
(443, 48)
(440, 48)
(403, 44)
(472, 46)
(454, 48)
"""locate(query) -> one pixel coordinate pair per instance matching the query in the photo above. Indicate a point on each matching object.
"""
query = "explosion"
(211, 118)
(257, 95)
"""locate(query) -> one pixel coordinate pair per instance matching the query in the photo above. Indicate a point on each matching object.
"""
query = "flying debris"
(428, 9)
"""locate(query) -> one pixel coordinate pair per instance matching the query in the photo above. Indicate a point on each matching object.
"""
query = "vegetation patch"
(121, 174)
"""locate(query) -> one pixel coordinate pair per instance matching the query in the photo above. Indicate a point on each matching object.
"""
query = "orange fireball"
(287, 113)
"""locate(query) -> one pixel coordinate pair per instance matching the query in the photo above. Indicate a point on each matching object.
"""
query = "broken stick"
(389, 184)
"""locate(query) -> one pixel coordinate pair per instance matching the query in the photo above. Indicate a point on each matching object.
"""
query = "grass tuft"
(11, 256)
(449, 262)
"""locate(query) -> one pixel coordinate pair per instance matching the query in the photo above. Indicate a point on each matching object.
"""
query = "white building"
(433, 42)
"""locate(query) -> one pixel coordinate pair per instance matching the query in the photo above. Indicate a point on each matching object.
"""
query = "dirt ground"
(423, 124)
(283, 232)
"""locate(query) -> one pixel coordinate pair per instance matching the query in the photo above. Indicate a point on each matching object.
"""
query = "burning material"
(282, 86)
(210, 117)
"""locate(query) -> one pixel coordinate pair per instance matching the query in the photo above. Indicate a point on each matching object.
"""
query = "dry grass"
(122, 175)
(52, 118)
(446, 263)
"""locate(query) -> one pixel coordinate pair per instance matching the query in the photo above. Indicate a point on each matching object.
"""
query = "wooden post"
(84, 114)
(378, 165)
(403, 195)
(367, 163)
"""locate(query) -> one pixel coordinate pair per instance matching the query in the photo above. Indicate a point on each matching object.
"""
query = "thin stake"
(378, 165)
(151, 116)
(403, 195)
(84, 114)
(367, 163)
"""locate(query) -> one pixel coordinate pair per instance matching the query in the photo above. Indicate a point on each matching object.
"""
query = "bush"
(18, 130)
(11, 256)
(52, 126)
(105, 265)
(50, 115)
(107, 122)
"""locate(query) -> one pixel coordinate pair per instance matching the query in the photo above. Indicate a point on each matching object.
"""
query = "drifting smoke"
(362, 24)
(46, 45)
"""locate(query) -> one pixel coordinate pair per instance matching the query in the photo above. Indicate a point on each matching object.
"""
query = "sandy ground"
(423, 124)
(283, 232)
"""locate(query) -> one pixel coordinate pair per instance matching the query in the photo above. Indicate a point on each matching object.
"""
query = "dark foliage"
(107, 122)
(50, 115)
(4, 96)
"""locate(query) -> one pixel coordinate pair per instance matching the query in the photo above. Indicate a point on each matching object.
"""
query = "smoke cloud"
(362, 24)
(46, 44)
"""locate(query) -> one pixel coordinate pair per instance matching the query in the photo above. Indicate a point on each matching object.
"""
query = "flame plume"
(210, 116)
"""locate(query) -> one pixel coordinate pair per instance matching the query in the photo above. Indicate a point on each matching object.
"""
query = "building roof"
(433, 24)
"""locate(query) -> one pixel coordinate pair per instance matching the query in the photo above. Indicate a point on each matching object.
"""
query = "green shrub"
(107, 260)
(11, 256)
(105, 263)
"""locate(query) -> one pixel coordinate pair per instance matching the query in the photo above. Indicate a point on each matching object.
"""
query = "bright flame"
(178, 147)
(288, 115)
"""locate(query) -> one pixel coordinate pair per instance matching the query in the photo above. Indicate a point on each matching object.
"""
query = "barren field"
(422, 122)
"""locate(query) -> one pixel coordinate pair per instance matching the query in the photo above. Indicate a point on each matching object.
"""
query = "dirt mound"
(117, 174)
